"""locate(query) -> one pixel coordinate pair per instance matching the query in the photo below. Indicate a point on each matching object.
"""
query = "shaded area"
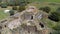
(42, 26)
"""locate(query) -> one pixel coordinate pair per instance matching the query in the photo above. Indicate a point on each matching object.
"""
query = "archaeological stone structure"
(25, 22)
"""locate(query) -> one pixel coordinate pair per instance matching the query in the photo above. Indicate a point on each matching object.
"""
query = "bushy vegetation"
(11, 12)
(53, 16)
(3, 5)
(18, 2)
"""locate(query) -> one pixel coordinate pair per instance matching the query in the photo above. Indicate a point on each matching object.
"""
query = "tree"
(3, 5)
(17, 2)
(46, 9)
(54, 16)
(24, 2)
(11, 3)
(11, 12)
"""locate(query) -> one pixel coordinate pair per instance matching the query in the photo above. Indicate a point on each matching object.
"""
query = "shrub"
(3, 5)
(14, 7)
(11, 12)
(11, 3)
(46, 9)
(23, 3)
(53, 16)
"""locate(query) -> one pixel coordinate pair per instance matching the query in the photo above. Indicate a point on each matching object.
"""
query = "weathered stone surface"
(26, 22)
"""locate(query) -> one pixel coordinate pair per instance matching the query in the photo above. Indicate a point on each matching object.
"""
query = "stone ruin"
(27, 22)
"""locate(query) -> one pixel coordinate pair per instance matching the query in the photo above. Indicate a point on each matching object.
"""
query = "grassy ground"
(44, 4)
(58, 1)
(2, 14)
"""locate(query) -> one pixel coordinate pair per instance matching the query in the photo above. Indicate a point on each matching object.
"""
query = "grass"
(58, 1)
(44, 4)
(49, 22)
(2, 14)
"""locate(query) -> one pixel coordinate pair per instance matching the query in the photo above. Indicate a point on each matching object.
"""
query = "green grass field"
(58, 1)
(2, 14)
(44, 4)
